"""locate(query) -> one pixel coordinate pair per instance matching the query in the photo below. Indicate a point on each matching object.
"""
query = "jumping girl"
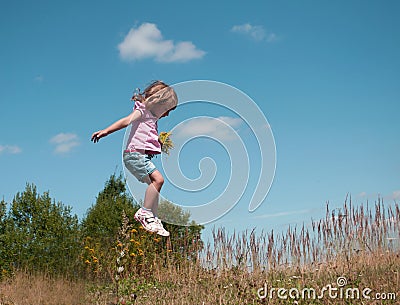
(155, 102)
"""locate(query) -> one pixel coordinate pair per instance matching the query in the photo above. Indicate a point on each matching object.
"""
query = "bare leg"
(155, 181)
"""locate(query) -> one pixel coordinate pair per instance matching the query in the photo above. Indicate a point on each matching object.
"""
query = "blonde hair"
(157, 93)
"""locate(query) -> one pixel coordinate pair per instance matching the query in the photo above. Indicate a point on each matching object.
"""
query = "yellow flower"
(86, 247)
(141, 227)
(137, 243)
(133, 254)
(87, 262)
(169, 250)
(91, 250)
(157, 239)
(133, 231)
(141, 253)
(167, 144)
(132, 240)
(119, 245)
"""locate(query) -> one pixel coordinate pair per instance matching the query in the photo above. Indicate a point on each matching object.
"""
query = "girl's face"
(161, 111)
(165, 114)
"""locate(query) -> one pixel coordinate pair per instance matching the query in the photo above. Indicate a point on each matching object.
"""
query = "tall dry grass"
(29, 289)
(359, 244)
(343, 233)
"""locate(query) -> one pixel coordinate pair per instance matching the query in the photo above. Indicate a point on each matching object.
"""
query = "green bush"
(112, 239)
(38, 234)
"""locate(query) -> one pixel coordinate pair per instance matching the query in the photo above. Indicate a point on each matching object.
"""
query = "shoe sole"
(139, 219)
(163, 234)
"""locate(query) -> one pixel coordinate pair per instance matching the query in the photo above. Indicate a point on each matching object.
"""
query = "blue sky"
(325, 74)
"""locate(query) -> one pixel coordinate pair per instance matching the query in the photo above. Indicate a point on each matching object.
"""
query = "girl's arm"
(122, 123)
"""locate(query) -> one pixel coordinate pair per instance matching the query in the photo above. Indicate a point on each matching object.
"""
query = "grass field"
(352, 256)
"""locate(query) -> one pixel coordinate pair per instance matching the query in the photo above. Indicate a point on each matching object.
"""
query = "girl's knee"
(157, 178)
(159, 181)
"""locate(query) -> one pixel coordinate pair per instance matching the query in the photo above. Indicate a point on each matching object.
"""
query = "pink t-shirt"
(144, 133)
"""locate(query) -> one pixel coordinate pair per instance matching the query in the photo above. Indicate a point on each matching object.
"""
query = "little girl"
(156, 101)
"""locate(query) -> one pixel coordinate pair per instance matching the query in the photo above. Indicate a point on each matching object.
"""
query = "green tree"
(101, 224)
(103, 219)
(109, 229)
(42, 235)
(5, 254)
(173, 214)
(185, 234)
(3, 212)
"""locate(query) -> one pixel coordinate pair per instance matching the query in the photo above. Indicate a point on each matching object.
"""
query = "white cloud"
(64, 142)
(10, 149)
(209, 126)
(256, 32)
(396, 195)
(272, 37)
(233, 122)
(38, 78)
(146, 41)
(282, 214)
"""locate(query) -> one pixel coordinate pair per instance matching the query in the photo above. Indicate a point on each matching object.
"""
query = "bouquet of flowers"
(166, 143)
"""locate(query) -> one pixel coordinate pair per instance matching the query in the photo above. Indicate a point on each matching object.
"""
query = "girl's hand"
(98, 135)
(121, 123)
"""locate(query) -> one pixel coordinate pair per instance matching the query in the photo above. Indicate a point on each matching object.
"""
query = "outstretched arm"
(122, 123)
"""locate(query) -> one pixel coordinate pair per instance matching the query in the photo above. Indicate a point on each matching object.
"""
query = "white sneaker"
(147, 219)
(161, 230)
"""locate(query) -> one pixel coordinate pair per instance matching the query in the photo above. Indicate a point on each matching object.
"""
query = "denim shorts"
(138, 164)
